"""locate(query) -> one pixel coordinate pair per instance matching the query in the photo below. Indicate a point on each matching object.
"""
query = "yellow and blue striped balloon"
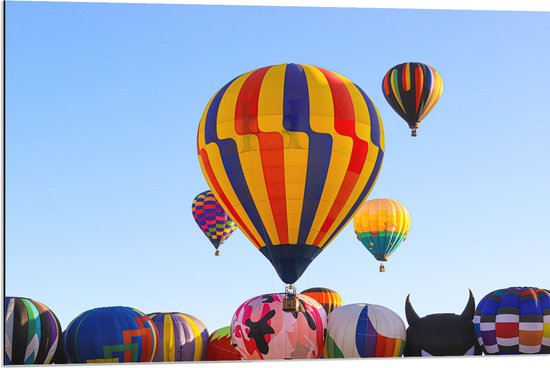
(290, 151)
(182, 337)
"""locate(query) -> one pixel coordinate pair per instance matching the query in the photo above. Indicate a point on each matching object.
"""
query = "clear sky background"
(102, 107)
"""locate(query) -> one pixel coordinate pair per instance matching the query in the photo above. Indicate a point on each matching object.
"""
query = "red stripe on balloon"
(344, 124)
(507, 330)
(386, 84)
(419, 84)
(223, 197)
(271, 149)
(380, 346)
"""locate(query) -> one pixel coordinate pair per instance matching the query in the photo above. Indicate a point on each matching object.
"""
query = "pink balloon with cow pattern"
(262, 330)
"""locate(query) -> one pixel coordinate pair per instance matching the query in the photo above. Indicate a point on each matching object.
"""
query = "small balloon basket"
(290, 302)
(382, 268)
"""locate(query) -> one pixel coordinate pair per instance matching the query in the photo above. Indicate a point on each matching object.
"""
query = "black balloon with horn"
(442, 334)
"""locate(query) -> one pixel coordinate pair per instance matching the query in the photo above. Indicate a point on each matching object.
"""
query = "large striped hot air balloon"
(363, 331)
(212, 219)
(262, 330)
(515, 320)
(32, 332)
(221, 346)
(290, 151)
(412, 90)
(111, 335)
(328, 298)
(182, 337)
(382, 225)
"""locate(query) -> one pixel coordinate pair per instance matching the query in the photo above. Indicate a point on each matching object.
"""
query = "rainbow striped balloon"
(182, 337)
(412, 90)
(290, 151)
(212, 219)
(363, 331)
(515, 320)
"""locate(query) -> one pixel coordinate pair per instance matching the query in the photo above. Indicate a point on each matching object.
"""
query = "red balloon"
(221, 347)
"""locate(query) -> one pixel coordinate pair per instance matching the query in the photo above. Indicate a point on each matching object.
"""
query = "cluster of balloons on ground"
(515, 320)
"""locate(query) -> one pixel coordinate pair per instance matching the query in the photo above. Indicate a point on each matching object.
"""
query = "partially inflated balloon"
(32, 332)
(412, 90)
(111, 335)
(262, 330)
(212, 219)
(221, 346)
(329, 299)
(290, 151)
(515, 320)
(364, 330)
(382, 225)
(182, 337)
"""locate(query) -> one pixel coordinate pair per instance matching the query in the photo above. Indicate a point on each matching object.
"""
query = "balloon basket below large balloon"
(217, 254)
(413, 132)
(382, 268)
(290, 302)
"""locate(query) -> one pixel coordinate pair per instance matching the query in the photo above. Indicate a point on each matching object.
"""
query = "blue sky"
(102, 107)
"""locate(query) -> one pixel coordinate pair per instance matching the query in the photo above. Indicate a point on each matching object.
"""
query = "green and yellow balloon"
(382, 225)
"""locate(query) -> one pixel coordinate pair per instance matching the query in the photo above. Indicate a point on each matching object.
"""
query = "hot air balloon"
(221, 346)
(32, 332)
(182, 337)
(382, 225)
(212, 219)
(262, 330)
(412, 90)
(329, 299)
(111, 335)
(515, 320)
(290, 151)
(60, 356)
(363, 331)
(441, 334)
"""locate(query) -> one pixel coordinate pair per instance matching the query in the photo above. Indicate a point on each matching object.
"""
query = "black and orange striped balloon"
(329, 299)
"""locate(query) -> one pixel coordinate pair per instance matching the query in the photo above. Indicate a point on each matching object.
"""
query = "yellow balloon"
(382, 225)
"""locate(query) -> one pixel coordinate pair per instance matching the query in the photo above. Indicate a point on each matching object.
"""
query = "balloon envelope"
(441, 334)
(221, 346)
(412, 90)
(290, 151)
(364, 330)
(111, 335)
(328, 298)
(182, 337)
(262, 330)
(212, 218)
(32, 332)
(515, 320)
(382, 225)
